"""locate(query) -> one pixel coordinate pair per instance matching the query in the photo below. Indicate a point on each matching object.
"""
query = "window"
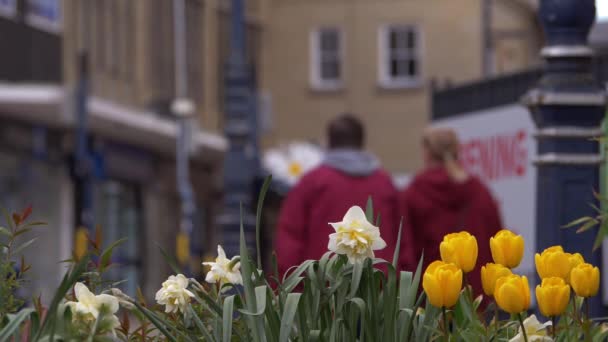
(326, 58)
(44, 14)
(399, 56)
(8, 8)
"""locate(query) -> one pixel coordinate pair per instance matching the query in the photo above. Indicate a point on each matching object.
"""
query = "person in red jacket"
(348, 176)
(444, 199)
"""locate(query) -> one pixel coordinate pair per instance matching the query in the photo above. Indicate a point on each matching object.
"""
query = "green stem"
(554, 326)
(523, 328)
(496, 316)
(445, 325)
(587, 322)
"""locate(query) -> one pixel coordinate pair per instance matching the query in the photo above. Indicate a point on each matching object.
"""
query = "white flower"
(174, 294)
(536, 331)
(88, 303)
(355, 236)
(289, 163)
(224, 270)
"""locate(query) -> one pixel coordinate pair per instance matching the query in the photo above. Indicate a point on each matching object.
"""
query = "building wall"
(451, 53)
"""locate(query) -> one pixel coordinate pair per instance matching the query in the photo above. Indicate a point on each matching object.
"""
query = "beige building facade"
(380, 60)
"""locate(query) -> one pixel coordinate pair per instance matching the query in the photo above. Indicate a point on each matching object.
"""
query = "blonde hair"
(442, 145)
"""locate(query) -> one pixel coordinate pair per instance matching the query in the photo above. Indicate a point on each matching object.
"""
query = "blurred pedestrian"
(347, 176)
(441, 199)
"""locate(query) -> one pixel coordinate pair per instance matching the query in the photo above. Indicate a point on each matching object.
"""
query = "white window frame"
(42, 22)
(316, 81)
(8, 8)
(385, 79)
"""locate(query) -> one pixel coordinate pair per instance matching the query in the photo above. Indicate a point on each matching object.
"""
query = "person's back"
(444, 199)
(347, 177)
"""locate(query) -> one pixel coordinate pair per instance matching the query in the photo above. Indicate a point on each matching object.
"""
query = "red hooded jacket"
(434, 205)
(324, 195)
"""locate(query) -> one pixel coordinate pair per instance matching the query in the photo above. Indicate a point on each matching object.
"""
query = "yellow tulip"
(459, 249)
(552, 295)
(507, 248)
(574, 260)
(512, 293)
(442, 283)
(554, 262)
(489, 274)
(585, 280)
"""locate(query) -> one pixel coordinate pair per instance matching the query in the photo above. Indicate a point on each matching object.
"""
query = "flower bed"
(346, 295)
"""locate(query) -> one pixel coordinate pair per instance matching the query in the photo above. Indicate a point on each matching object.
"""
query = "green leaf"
(156, 321)
(107, 253)
(227, 318)
(256, 324)
(578, 221)
(592, 223)
(356, 279)
(5, 231)
(200, 325)
(14, 321)
(258, 218)
(289, 313)
(369, 210)
(170, 260)
(398, 246)
(23, 246)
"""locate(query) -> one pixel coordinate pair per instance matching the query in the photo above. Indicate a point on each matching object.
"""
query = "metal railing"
(502, 90)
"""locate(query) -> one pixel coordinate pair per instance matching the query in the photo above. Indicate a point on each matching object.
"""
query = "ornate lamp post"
(567, 106)
(240, 161)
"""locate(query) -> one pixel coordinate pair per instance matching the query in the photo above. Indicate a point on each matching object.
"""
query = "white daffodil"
(535, 330)
(88, 303)
(174, 294)
(224, 270)
(355, 236)
(288, 164)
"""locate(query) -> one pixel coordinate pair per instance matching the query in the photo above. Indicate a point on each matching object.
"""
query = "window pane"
(396, 68)
(412, 67)
(329, 40)
(330, 70)
(411, 38)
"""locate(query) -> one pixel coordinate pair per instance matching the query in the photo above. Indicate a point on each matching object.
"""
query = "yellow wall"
(452, 50)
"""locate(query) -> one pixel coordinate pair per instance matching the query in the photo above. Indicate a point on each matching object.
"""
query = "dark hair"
(346, 131)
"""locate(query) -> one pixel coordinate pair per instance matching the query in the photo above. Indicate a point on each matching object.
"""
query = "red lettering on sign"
(496, 157)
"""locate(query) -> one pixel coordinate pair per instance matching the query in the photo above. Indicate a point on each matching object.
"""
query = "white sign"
(601, 7)
(44, 14)
(498, 146)
(8, 8)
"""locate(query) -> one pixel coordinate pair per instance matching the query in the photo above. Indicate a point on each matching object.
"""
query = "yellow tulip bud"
(553, 262)
(489, 274)
(507, 248)
(459, 249)
(442, 283)
(512, 293)
(552, 295)
(585, 280)
(574, 260)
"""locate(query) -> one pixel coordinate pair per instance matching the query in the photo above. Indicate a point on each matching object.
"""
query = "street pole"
(240, 160)
(83, 160)
(567, 106)
(183, 108)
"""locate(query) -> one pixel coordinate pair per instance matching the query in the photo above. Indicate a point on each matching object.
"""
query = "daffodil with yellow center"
(355, 237)
(295, 169)
(89, 307)
(174, 294)
(224, 270)
(535, 331)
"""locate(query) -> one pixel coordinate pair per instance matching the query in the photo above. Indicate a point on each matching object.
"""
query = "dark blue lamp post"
(567, 106)
(83, 158)
(240, 161)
